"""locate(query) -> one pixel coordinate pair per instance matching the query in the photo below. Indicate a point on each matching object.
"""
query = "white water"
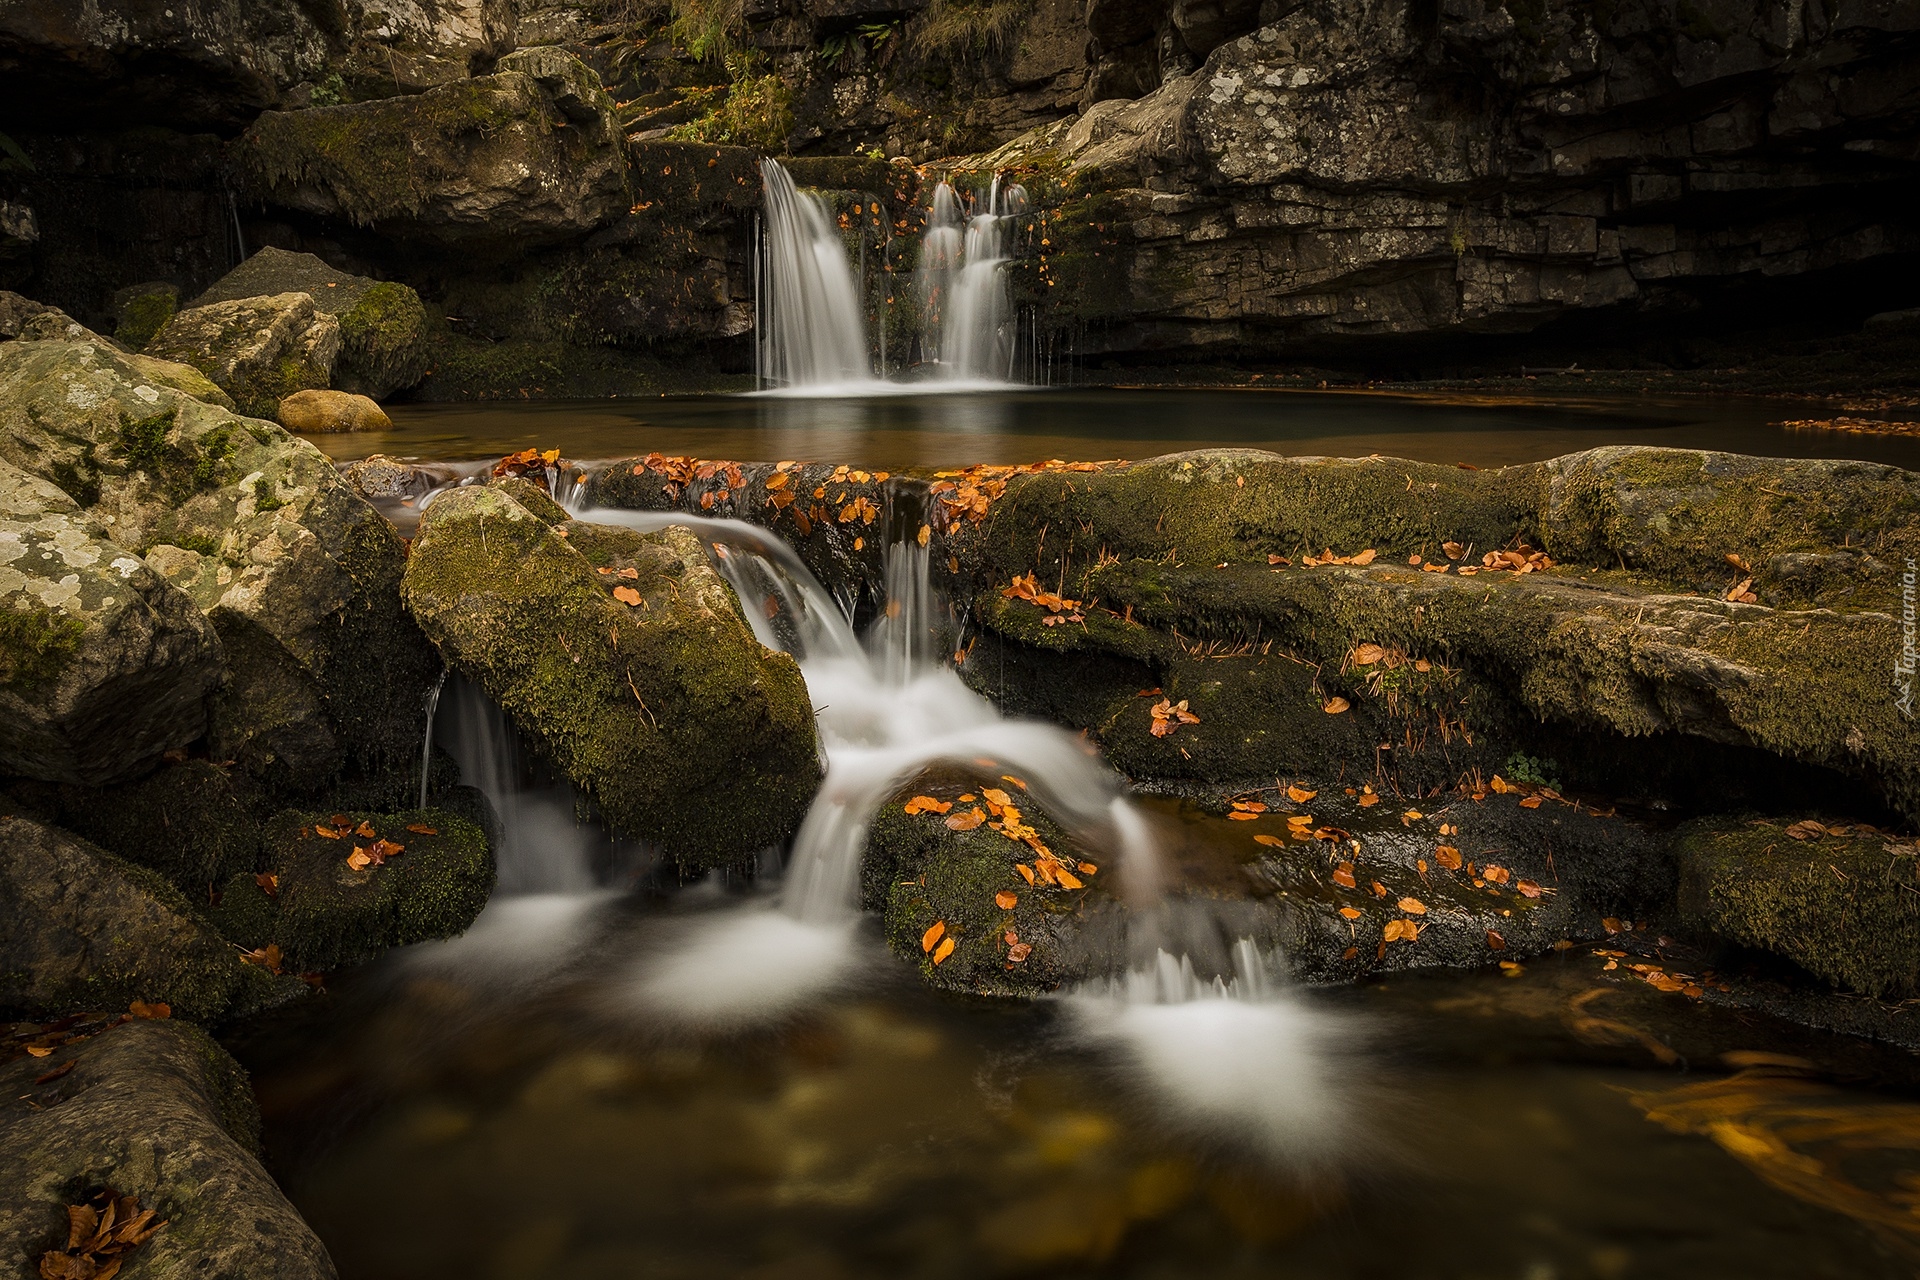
(968, 310)
(815, 336)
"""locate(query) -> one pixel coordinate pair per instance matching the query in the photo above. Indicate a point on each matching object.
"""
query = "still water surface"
(897, 432)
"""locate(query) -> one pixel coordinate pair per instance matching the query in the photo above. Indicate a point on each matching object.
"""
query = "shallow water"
(447, 1114)
(897, 432)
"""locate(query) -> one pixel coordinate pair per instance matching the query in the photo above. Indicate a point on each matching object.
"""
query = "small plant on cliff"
(970, 31)
(1534, 772)
(757, 111)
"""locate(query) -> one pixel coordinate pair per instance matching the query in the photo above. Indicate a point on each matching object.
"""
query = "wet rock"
(492, 162)
(257, 350)
(193, 821)
(1841, 906)
(297, 573)
(659, 703)
(383, 343)
(142, 310)
(324, 913)
(103, 664)
(321, 412)
(386, 478)
(82, 929)
(1472, 662)
(157, 1110)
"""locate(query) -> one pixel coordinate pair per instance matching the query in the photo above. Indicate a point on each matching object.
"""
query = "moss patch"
(36, 645)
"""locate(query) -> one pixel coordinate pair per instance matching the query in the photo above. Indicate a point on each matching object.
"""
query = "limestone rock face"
(195, 66)
(257, 350)
(382, 325)
(296, 572)
(1352, 169)
(156, 1110)
(320, 412)
(103, 664)
(413, 45)
(659, 702)
(80, 929)
(497, 162)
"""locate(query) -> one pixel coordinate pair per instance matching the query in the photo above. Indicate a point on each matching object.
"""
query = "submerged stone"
(156, 1110)
(625, 657)
(324, 912)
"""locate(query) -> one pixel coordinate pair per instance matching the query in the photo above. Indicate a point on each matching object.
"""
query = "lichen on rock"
(658, 701)
(257, 350)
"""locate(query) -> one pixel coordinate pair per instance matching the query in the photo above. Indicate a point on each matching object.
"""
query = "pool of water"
(897, 432)
(500, 1107)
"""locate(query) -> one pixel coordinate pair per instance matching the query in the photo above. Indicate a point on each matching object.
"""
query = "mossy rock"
(257, 350)
(323, 914)
(143, 314)
(1846, 908)
(193, 822)
(518, 369)
(156, 1110)
(81, 929)
(920, 873)
(662, 705)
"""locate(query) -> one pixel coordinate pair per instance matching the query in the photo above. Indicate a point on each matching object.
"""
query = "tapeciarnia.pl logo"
(1907, 660)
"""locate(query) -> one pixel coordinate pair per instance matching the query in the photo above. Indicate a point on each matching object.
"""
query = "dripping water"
(426, 741)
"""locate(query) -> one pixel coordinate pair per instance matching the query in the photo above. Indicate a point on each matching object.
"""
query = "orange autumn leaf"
(1495, 941)
(360, 859)
(1351, 913)
(933, 935)
(996, 799)
(1300, 795)
(1343, 876)
(927, 804)
(1066, 879)
(151, 1012)
(1087, 869)
(1496, 875)
(1401, 931)
(1005, 900)
(1447, 856)
(1026, 872)
(267, 957)
(1368, 800)
(365, 829)
(331, 833)
(627, 596)
(1531, 802)
(422, 829)
(1272, 842)
(1412, 906)
(1018, 782)
(1377, 889)
(1367, 655)
(966, 821)
(944, 950)
(1019, 951)
(1239, 816)
(1528, 888)
(1336, 705)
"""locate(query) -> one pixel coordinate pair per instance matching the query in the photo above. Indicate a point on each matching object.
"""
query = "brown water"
(1025, 426)
(451, 1113)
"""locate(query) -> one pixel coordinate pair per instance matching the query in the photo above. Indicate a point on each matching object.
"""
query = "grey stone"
(257, 350)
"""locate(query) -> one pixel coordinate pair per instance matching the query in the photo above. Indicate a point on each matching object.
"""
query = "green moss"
(193, 822)
(216, 447)
(328, 915)
(145, 316)
(143, 441)
(36, 645)
(383, 343)
(466, 369)
(78, 477)
(757, 112)
(264, 496)
(1845, 910)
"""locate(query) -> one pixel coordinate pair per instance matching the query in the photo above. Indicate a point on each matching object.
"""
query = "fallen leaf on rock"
(1343, 876)
(1272, 842)
(1351, 953)
(1807, 830)
(1531, 802)
(154, 1012)
(1006, 901)
(933, 935)
(269, 883)
(927, 804)
(1377, 889)
(422, 829)
(360, 859)
(1495, 941)
(1169, 715)
(365, 829)
(996, 798)
(1066, 879)
(57, 1072)
(1351, 913)
(1453, 550)
(1279, 560)
(1447, 856)
(1018, 951)
(1401, 931)
(1528, 889)
(1087, 869)
(1026, 872)
(267, 957)
(1300, 795)
(101, 1231)
(1367, 655)
(1368, 799)
(1410, 817)
(331, 833)
(1612, 925)
(1335, 706)
(941, 952)
(1412, 906)
(966, 821)
(1496, 875)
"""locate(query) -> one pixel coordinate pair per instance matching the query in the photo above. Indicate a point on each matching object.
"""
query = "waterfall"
(426, 741)
(542, 847)
(815, 338)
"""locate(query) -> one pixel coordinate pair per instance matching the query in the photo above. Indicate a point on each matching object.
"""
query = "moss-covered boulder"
(103, 665)
(298, 574)
(142, 310)
(257, 350)
(325, 908)
(626, 658)
(383, 326)
(82, 929)
(155, 1110)
(1841, 901)
(196, 822)
(499, 161)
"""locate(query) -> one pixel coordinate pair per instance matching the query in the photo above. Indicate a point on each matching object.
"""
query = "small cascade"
(967, 326)
(426, 740)
(543, 847)
(814, 337)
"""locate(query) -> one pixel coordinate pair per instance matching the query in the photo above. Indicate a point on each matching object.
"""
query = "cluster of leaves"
(970, 493)
(372, 855)
(1059, 608)
(1002, 815)
(533, 464)
(1169, 716)
(101, 1231)
(40, 1039)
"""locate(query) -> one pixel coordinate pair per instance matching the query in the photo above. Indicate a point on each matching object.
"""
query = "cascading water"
(815, 338)
(426, 742)
(967, 309)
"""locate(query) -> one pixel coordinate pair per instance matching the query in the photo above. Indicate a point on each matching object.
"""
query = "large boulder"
(156, 1110)
(298, 574)
(82, 929)
(325, 908)
(658, 701)
(383, 345)
(103, 664)
(257, 350)
(498, 161)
